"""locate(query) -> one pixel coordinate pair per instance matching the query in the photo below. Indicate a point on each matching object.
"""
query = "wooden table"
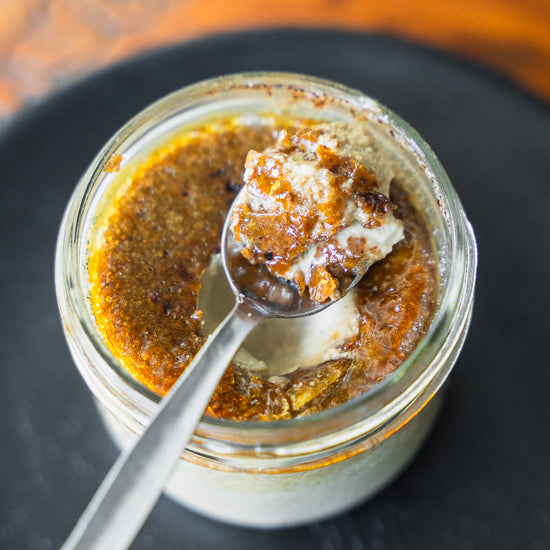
(45, 44)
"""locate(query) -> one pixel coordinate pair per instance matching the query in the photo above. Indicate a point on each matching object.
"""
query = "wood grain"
(47, 43)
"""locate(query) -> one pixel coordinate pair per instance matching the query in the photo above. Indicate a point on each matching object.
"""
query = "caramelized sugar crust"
(157, 241)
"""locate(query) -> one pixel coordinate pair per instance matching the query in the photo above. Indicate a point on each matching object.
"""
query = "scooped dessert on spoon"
(315, 208)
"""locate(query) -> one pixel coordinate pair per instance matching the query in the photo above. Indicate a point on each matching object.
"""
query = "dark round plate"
(482, 479)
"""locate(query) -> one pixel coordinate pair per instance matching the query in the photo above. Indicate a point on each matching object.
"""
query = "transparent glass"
(293, 471)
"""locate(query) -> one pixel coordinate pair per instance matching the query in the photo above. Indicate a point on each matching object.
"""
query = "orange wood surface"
(45, 44)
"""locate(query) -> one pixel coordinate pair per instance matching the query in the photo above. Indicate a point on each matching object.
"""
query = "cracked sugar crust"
(159, 237)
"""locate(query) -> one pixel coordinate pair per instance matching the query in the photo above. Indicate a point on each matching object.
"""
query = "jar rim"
(427, 366)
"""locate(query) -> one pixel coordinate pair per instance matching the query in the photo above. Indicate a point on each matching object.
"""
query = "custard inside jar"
(315, 414)
(155, 243)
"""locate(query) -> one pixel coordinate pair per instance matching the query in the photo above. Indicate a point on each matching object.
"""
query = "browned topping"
(322, 284)
(113, 164)
(158, 240)
(310, 387)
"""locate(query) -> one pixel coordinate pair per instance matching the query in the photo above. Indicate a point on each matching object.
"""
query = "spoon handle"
(134, 483)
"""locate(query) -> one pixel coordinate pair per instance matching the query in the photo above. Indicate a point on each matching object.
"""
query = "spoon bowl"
(268, 295)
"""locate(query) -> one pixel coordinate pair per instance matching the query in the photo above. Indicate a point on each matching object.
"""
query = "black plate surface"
(482, 479)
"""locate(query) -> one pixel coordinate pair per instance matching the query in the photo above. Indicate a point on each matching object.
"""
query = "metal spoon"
(130, 490)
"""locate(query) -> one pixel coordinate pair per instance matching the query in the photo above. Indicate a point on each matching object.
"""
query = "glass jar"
(289, 472)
